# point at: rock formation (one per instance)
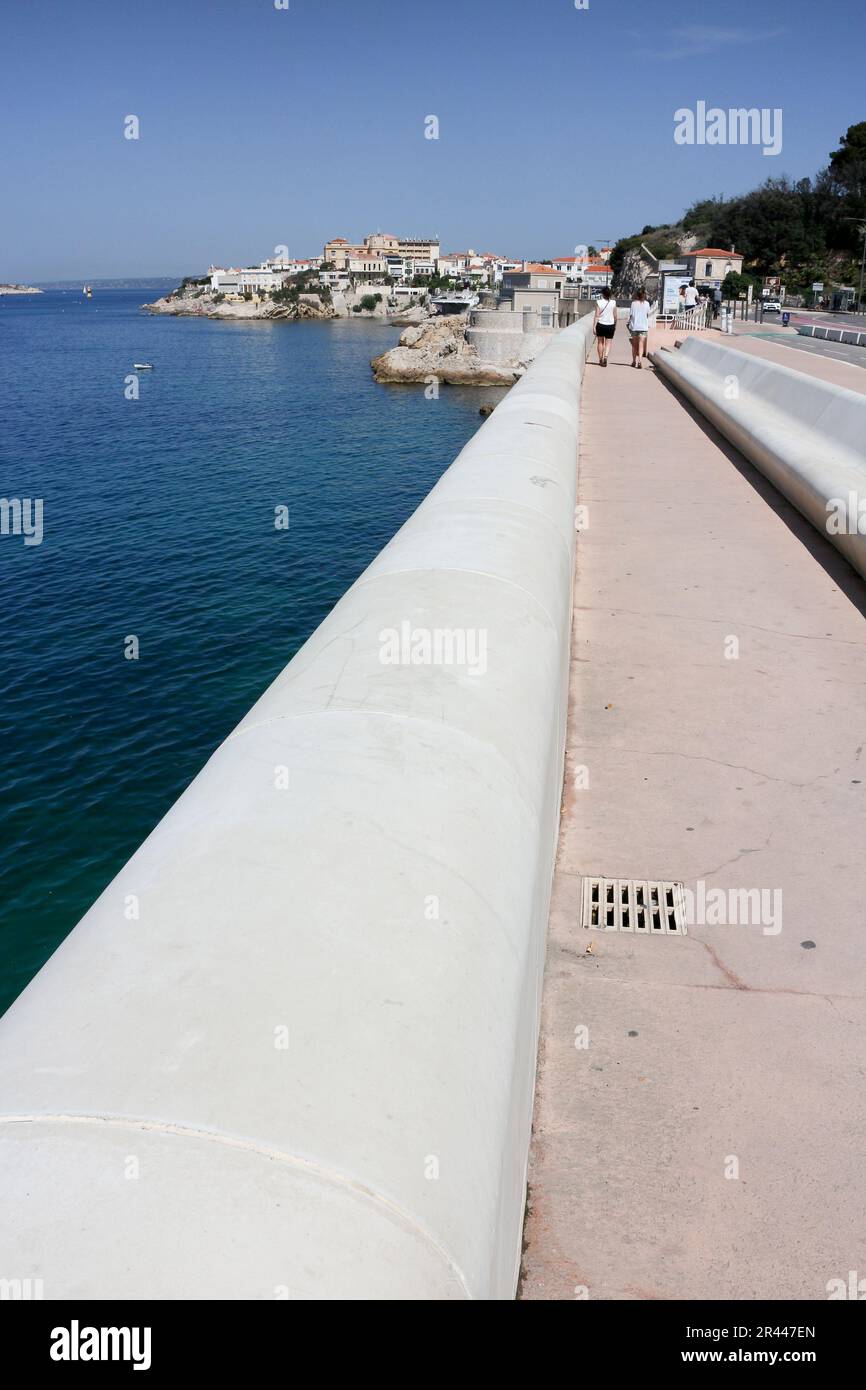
(438, 351)
(196, 302)
(633, 273)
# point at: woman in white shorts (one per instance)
(638, 327)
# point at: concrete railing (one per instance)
(833, 333)
(500, 320)
(806, 435)
(290, 1052)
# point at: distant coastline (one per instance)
(19, 289)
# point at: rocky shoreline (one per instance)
(209, 306)
(195, 301)
(19, 289)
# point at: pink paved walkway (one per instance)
(729, 1050)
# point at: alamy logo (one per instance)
(434, 646)
(734, 907)
(22, 516)
(846, 516)
(736, 126)
(77, 1343)
(854, 1289)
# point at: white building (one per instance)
(709, 265)
(264, 278)
(597, 274)
(570, 266)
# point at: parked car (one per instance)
(772, 306)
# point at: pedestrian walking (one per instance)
(605, 325)
(638, 327)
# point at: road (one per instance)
(841, 352)
(831, 320)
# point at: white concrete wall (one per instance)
(498, 336)
(806, 435)
(833, 333)
(508, 348)
(388, 909)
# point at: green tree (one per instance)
(702, 213)
(735, 284)
(848, 163)
(842, 189)
(773, 227)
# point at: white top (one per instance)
(639, 316)
(691, 296)
(608, 310)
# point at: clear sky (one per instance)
(261, 127)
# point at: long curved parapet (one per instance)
(807, 436)
(290, 1051)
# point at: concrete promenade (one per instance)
(708, 1141)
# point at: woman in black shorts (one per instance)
(605, 325)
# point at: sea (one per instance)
(159, 493)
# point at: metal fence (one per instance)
(695, 319)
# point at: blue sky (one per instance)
(261, 127)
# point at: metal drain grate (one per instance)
(646, 907)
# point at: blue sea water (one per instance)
(159, 522)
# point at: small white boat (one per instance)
(143, 366)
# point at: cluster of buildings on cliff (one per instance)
(404, 261)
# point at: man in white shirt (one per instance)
(691, 295)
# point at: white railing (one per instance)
(697, 318)
(804, 434)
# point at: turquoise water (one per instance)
(159, 522)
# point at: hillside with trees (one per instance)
(803, 231)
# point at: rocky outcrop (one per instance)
(19, 289)
(633, 274)
(438, 351)
(197, 300)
